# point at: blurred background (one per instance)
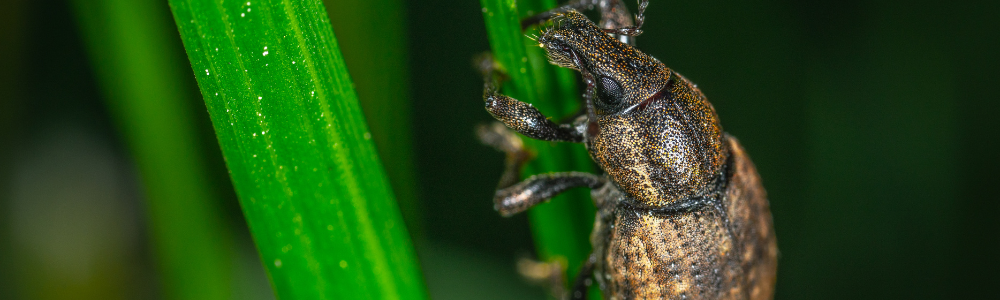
(871, 123)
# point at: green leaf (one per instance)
(372, 37)
(143, 81)
(562, 226)
(300, 155)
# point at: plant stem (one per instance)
(319, 206)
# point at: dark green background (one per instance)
(871, 123)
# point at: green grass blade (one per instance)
(142, 80)
(562, 226)
(372, 36)
(320, 209)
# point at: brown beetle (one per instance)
(681, 213)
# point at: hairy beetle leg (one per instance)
(539, 188)
(498, 136)
(527, 120)
(519, 116)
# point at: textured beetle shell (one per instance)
(661, 141)
(725, 251)
(665, 149)
(683, 214)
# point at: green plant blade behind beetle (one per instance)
(143, 81)
(310, 184)
(562, 226)
(372, 36)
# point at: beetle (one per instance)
(681, 211)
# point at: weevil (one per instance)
(681, 211)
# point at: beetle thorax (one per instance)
(649, 128)
(664, 150)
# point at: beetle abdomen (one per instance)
(724, 251)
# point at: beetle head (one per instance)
(619, 76)
(650, 129)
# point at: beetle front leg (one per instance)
(527, 120)
(519, 116)
(539, 188)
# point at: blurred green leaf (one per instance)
(143, 83)
(299, 152)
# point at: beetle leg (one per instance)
(616, 20)
(539, 188)
(551, 275)
(498, 136)
(583, 279)
(527, 120)
(519, 116)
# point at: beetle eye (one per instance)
(609, 92)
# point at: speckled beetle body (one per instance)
(682, 213)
